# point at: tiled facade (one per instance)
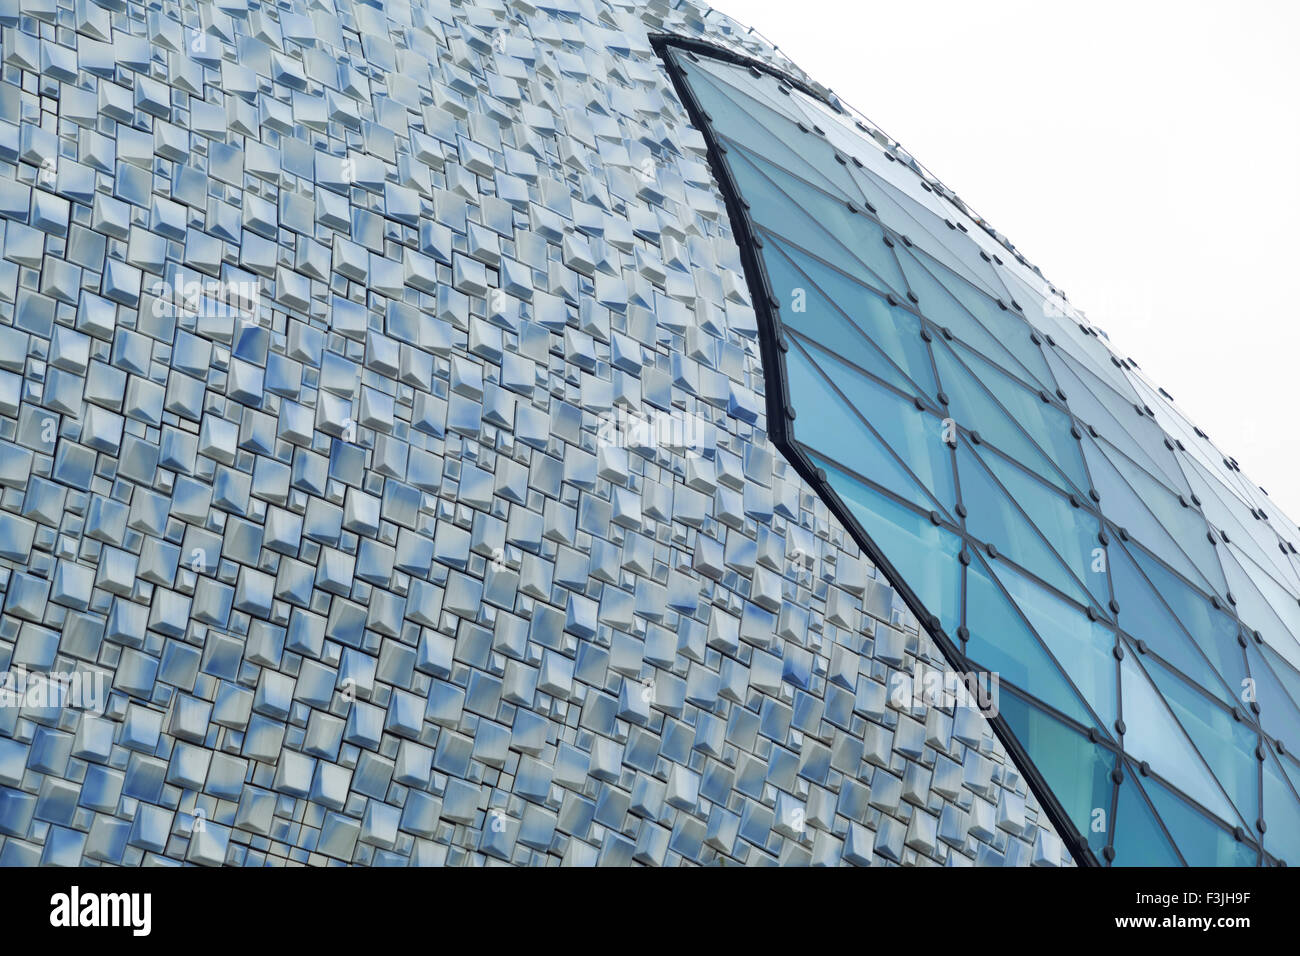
(361, 570)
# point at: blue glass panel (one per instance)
(859, 235)
(866, 454)
(924, 555)
(761, 129)
(992, 517)
(1095, 403)
(973, 406)
(1139, 840)
(1122, 506)
(1084, 648)
(1046, 424)
(823, 320)
(1184, 523)
(1214, 631)
(1072, 532)
(1282, 813)
(1227, 744)
(1278, 714)
(785, 217)
(1144, 615)
(1154, 736)
(915, 436)
(1201, 841)
(893, 329)
(1077, 770)
(1009, 331)
(940, 306)
(1002, 643)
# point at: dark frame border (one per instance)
(780, 411)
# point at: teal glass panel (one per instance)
(866, 454)
(1095, 403)
(1139, 839)
(924, 555)
(1077, 770)
(938, 304)
(1185, 524)
(1121, 505)
(915, 436)
(1001, 643)
(1227, 744)
(1072, 532)
(893, 330)
(1010, 331)
(1278, 714)
(762, 130)
(1144, 615)
(1201, 841)
(858, 235)
(1282, 813)
(973, 406)
(1214, 631)
(993, 517)
(807, 311)
(1154, 736)
(1084, 648)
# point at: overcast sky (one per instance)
(1144, 154)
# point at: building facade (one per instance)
(562, 433)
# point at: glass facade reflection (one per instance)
(1052, 514)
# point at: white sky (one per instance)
(1144, 154)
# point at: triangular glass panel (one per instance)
(1139, 838)
(1154, 736)
(923, 554)
(1084, 648)
(865, 454)
(1001, 642)
(892, 329)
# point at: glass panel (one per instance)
(1201, 841)
(1139, 840)
(1144, 616)
(1281, 814)
(1115, 420)
(1001, 643)
(1228, 745)
(1214, 631)
(1077, 770)
(857, 234)
(1154, 736)
(806, 310)
(924, 555)
(1084, 648)
(943, 309)
(974, 407)
(992, 517)
(1122, 506)
(893, 329)
(915, 436)
(1072, 532)
(761, 129)
(866, 454)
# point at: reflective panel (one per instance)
(1033, 494)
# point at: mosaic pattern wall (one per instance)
(1046, 503)
(385, 476)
